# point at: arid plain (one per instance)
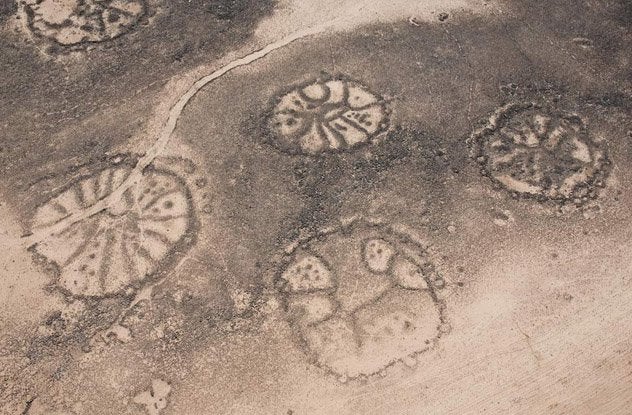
(303, 207)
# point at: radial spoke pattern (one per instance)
(122, 245)
(544, 154)
(327, 115)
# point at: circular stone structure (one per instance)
(326, 115)
(73, 22)
(361, 297)
(121, 246)
(546, 154)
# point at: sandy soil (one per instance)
(301, 207)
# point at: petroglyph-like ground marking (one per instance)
(155, 399)
(41, 234)
(121, 246)
(361, 297)
(166, 130)
(545, 154)
(73, 22)
(326, 115)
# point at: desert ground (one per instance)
(301, 207)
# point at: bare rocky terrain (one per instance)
(315, 207)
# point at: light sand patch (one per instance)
(155, 399)
(292, 15)
(22, 283)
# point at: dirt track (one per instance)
(242, 207)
